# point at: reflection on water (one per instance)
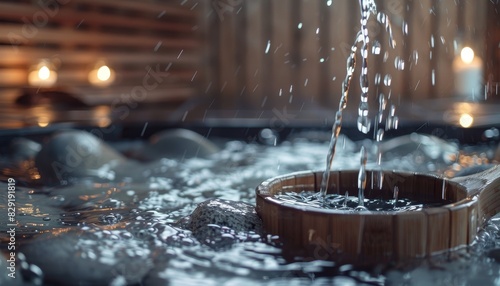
(128, 230)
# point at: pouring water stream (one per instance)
(367, 7)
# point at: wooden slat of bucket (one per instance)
(377, 239)
(489, 202)
(473, 214)
(346, 233)
(410, 234)
(290, 228)
(275, 186)
(288, 184)
(459, 225)
(305, 181)
(438, 229)
(270, 217)
(333, 183)
(317, 234)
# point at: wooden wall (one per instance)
(135, 38)
(240, 54)
(275, 53)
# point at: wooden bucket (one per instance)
(372, 237)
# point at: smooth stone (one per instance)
(431, 147)
(87, 258)
(218, 222)
(4, 271)
(177, 144)
(21, 149)
(75, 154)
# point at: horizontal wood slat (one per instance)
(25, 55)
(128, 36)
(14, 34)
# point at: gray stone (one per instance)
(424, 147)
(15, 278)
(76, 154)
(88, 258)
(219, 223)
(21, 149)
(177, 144)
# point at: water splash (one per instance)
(396, 194)
(362, 180)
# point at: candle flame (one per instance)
(466, 120)
(467, 55)
(44, 73)
(103, 73)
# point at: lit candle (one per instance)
(42, 75)
(468, 74)
(101, 75)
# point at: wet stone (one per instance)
(23, 149)
(219, 223)
(5, 271)
(71, 155)
(421, 148)
(176, 144)
(88, 257)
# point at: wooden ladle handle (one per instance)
(485, 187)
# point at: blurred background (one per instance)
(236, 63)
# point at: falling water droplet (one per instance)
(392, 120)
(362, 179)
(405, 28)
(383, 19)
(387, 80)
(415, 56)
(364, 124)
(268, 47)
(396, 194)
(377, 79)
(376, 48)
(399, 63)
(382, 102)
(380, 135)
